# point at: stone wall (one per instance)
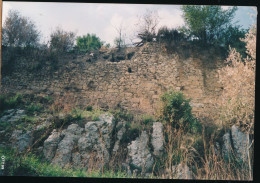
(134, 84)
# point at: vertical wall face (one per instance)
(134, 84)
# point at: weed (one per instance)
(34, 108)
(10, 102)
(89, 108)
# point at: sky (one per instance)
(104, 19)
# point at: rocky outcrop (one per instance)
(21, 140)
(12, 115)
(121, 130)
(139, 155)
(241, 143)
(66, 145)
(96, 140)
(236, 143)
(157, 138)
(75, 146)
(51, 144)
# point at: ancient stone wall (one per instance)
(134, 84)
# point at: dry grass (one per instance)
(237, 105)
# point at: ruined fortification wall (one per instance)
(134, 84)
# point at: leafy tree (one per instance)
(209, 23)
(19, 31)
(89, 42)
(62, 41)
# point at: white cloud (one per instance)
(171, 19)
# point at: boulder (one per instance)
(51, 144)
(97, 139)
(227, 147)
(139, 155)
(12, 115)
(121, 130)
(241, 143)
(63, 154)
(237, 143)
(21, 140)
(157, 138)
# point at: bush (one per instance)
(10, 102)
(176, 110)
(170, 36)
(147, 119)
(62, 41)
(238, 80)
(33, 108)
(89, 42)
(19, 31)
(89, 108)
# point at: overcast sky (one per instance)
(103, 19)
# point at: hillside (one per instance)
(100, 114)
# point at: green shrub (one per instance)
(89, 108)
(176, 110)
(34, 108)
(147, 119)
(127, 116)
(10, 102)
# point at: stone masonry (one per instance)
(134, 84)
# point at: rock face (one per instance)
(21, 140)
(157, 139)
(51, 144)
(237, 143)
(181, 171)
(139, 154)
(12, 115)
(241, 143)
(64, 151)
(227, 147)
(76, 146)
(121, 130)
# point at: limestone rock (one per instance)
(241, 143)
(97, 138)
(64, 152)
(181, 171)
(157, 138)
(139, 154)
(120, 133)
(51, 144)
(227, 147)
(21, 140)
(12, 115)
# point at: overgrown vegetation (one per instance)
(10, 102)
(212, 25)
(186, 140)
(176, 111)
(88, 42)
(30, 165)
(238, 80)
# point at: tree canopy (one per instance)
(19, 31)
(62, 40)
(89, 42)
(208, 23)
